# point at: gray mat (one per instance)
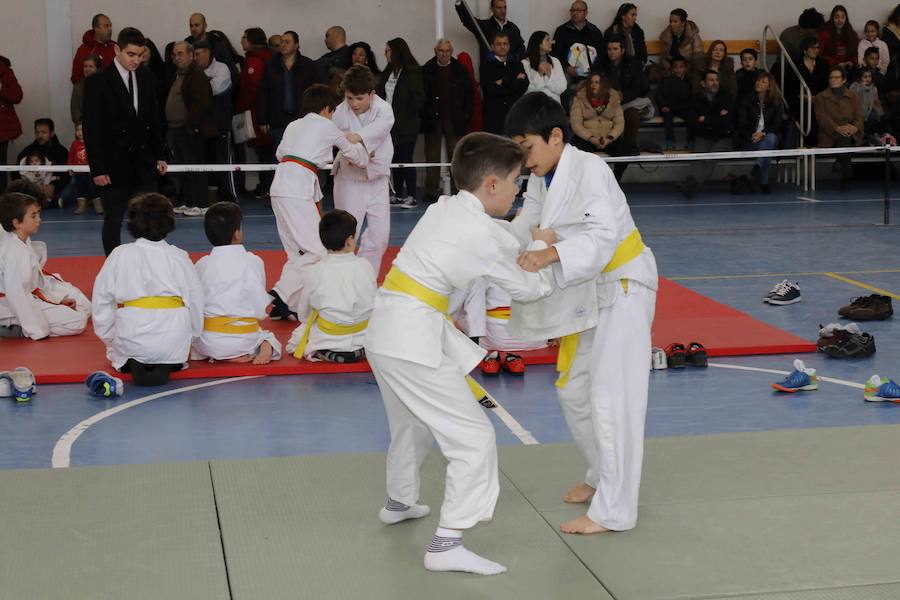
(132, 532)
(869, 592)
(307, 527)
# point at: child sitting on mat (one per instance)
(336, 301)
(148, 300)
(33, 303)
(234, 285)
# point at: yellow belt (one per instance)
(628, 250)
(326, 327)
(502, 312)
(155, 302)
(398, 281)
(231, 325)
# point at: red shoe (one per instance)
(513, 364)
(490, 365)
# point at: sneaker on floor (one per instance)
(193, 211)
(513, 364)
(775, 289)
(881, 390)
(786, 292)
(395, 200)
(408, 202)
(18, 384)
(834, 334)
(696, 355)
(872, 308)
(179, 210)
(857, 345)
(803, 379)
(658, 359)
(490, 365)
(676, 357)
(104, 385)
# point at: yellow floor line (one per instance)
(768, 275)
(862, 285)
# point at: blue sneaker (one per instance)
(801, 380)
(18, 384)
(104, 385)
(881, 390)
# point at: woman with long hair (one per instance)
(545, 72)
(759, 124)
(625, 24)
(838, 40)
(402, 86)
(361, 54)
(598, 121)
(716, 59)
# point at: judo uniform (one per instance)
(138, 273)
(335, 306)
(306, 145)
(234, 288)
(487, 312)
(30, 297)
(420, 360)
(608, 296)
(363, 190)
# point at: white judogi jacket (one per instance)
(21, 272)
(374, 126)
(234, 285)
(453, 243)
(586, 208)
(311, 138)
(151, 336)
(342, 288)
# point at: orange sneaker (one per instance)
(513, 364)
(490, 365)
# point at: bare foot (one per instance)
(578, 494)
(245, 358)
(264, 356)
(582, 525)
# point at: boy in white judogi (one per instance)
(234, 288)
(363, 191)
(33, 303)
(148, 300)
(305, 147)
(602, 314)
(337, 300)
(421, 360)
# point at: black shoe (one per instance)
(786, 292)
(858, 345)
(280, 310)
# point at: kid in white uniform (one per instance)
(305, 147)
(602, 312)
(148, 300)
(421, 360)
(33, 303)
(337, 300)
(234, 286)
(363, 191)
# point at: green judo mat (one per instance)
(780, 515)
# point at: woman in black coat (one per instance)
(625, 24)
(759, 123)
(401, 85)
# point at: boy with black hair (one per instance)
(305, 146)
(337, 299)
(33, 303)
(601, 309)
(673, 97)
(747, 74)
(148, 300)
(234, 286)
(362, 190)
(421, 361)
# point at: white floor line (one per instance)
(63, 448)
(851, 384)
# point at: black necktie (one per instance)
(131, 87)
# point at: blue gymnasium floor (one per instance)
(730, 248)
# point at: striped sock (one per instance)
(447, 553)
(444, 540)
(394, 512)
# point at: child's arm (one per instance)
(355, 153)
(16, 281)
(521, 285)
(530, 215)
(103, 301)
(374, 134)
(194, 299)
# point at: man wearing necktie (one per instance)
(122, 133)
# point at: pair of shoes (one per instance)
(395, 200)
(179, 210)
(280, 310)
(880, 389)
(104, 385)
(785, 292)
(803, 379)
(856, 345)
(835, 334)
(496, 361)
(868, 308)
(18, 384)
(407, 202)
(677, 356)
(658, 359)
(194, 211)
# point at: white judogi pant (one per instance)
(605, 404)
(425, 404)
(367, 201)
(297, 220)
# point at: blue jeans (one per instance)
(769, 142)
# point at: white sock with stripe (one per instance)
(395, 512)
(447, 553)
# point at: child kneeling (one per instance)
(337, 300)
(148, 300)
(234, 286)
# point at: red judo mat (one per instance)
(681, 316)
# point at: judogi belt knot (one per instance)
(327, 327)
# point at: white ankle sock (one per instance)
(394, 512)
(446, 553)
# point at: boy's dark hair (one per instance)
(869, 51)
(751, 51)
(335, 227)
(98, 62)
(863, 71)
(536, 113)
(221, 221)
(679, 59)
(150, 216)
(45, 121)
(808, 42)
(358, 80)
(498, 34)
(680, 13)
(256, 36)
(34, 152)
(811, 19)
(317, 97)
(616, 38)
(132, 36)
(708, 72)
(23, 186)
(13, 205)
(479, 155)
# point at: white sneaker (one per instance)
(395, 200)
(179, 210)
(192, 211)
(658, 359)
(408, 202)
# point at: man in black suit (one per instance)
(503, 81)
(122, 132)
(498, 23)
